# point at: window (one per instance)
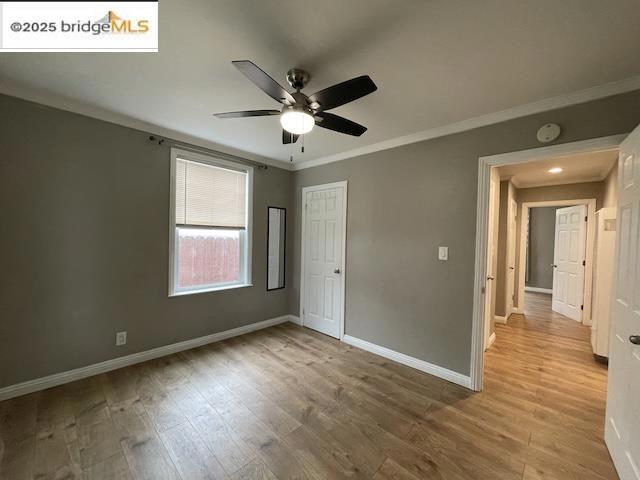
(210, 241)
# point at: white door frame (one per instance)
(590, 243)
(343, 276)
(482, 224)
(494, 189)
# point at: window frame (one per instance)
(246, 242)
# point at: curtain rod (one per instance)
(196, 149)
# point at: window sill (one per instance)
(212, 289)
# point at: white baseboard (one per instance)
(538, 290)
(518, 311)
(295, 319)
(416, 363)
(492, 339)
(113, 364)
(499, 319)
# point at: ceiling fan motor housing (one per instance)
(297, 108)
(297, 78)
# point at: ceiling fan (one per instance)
(300, 112)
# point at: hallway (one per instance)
(542, 371)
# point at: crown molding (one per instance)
(574, 98)
(554, 103)
(81, 108)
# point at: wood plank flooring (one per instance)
(289, 403)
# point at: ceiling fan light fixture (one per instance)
(300, 111)
(555, 170)
(297, 121)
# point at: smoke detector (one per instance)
(549, 132)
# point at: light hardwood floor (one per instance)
(288, 403)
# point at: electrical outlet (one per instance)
(121, 338)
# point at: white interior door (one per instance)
(622, 428)
(511, 255)
(323, 242)
(568, 261)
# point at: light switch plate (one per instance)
(121, 338)
(443, 253)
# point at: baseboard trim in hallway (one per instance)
(538, 290)
(56, 379)
(430, 368)
(500, 319)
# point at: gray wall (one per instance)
(84, 246)
(405, 202)
(542, 227)
(562, 192)
(85, 239)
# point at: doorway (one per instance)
(572, 263)
(483, 225)
(322, 281)
(549, 343)
(511, 257)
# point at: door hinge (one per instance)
(581, 307)
(584, 263)
(585, 218)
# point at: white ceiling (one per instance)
(578, 168)
(436, 63)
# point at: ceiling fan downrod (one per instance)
(297, 78)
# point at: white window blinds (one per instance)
(210, 196)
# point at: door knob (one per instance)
(337, 271)
(512, 268)
(635, 339)
(554, 265)
(490, 278)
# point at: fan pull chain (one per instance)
(302, 149)
(291, 154)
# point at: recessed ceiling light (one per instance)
(555, 170)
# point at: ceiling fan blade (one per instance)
(263, 81)
(339, 124)
(288, 137)
(344, 92)
(247, 113)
